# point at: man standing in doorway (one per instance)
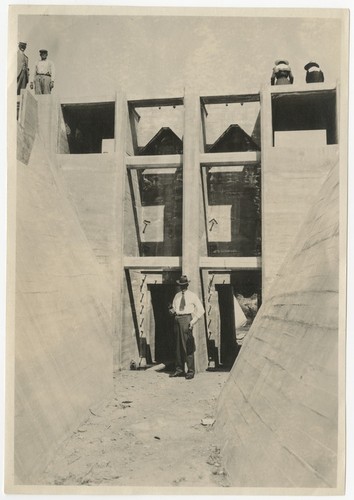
(44, 74)
(187, 309)
(22, 67)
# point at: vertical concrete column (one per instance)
(121, 116)
(191, 216)
(266, 145)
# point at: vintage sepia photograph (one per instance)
(177, 231)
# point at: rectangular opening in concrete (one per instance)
(233, 300)
(232, 197)
(231, 123)
(156, 195)
(156, 127)
(308, 112)
(164, 343)
(89, 126)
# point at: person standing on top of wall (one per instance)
(22, 67)
(186, 309)
(44, 74)
(313, 73)
(282, 74)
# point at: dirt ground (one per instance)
(156, 432)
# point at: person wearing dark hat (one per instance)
(186, 309)
(313, 73)
(282, 74)
(22, 67)
(44, 74)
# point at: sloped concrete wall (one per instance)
(291, 179)
(63, 351)
(27, 126)
(277, 415)
(90, 180)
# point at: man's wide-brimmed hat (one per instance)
(311, 64)
(281, 61)
(183, 280)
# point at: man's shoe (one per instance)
(177, 374)
(189, 375)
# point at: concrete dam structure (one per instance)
(116, 198)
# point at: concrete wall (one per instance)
(126, 345)
(27, 126)
(48, 122)
(291, 179)
(90, 183)
(277, 414)
(63, 351)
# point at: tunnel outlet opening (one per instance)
(162, 341)
(305, 119)
(233, 303)
(89, 127)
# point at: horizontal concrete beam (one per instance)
(230, 262)
(152, 262)
(227, 263)
(154, 161)
(244, 158)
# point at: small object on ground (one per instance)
(208, 421)
(92, 413)
(154, 368)
(177, 374)
(132, 365)
(157, 437)
(126, 402)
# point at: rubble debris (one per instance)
(208, 421)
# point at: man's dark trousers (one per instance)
(182, 332)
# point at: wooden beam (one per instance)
(154, 161)
(134, 118)
(205, 198)
(230, 263)
(136, 102)
(242, 158)
(230, 98)
(136, 202)
(158, 263)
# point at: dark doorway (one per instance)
(161, 298)
(228, 346)
(305, 111)
(87, 125)
(238, 302)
